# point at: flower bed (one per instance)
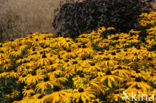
(93, 68)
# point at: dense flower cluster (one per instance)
(93, 68)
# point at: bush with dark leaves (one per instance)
(74, 18)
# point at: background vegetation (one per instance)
(83, 17)
(20, 17)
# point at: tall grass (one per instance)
(20, 17)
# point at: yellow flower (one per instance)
(58, 95)
(96, 85)
(83, 94)
(33, 78)
(110, 28)
(27, 91)
(144, 86)
(109, 78)
(79, 80)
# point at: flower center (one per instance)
(56, 88)
(80, 90)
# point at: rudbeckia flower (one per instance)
(83, 94)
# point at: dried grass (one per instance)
(20, 17)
